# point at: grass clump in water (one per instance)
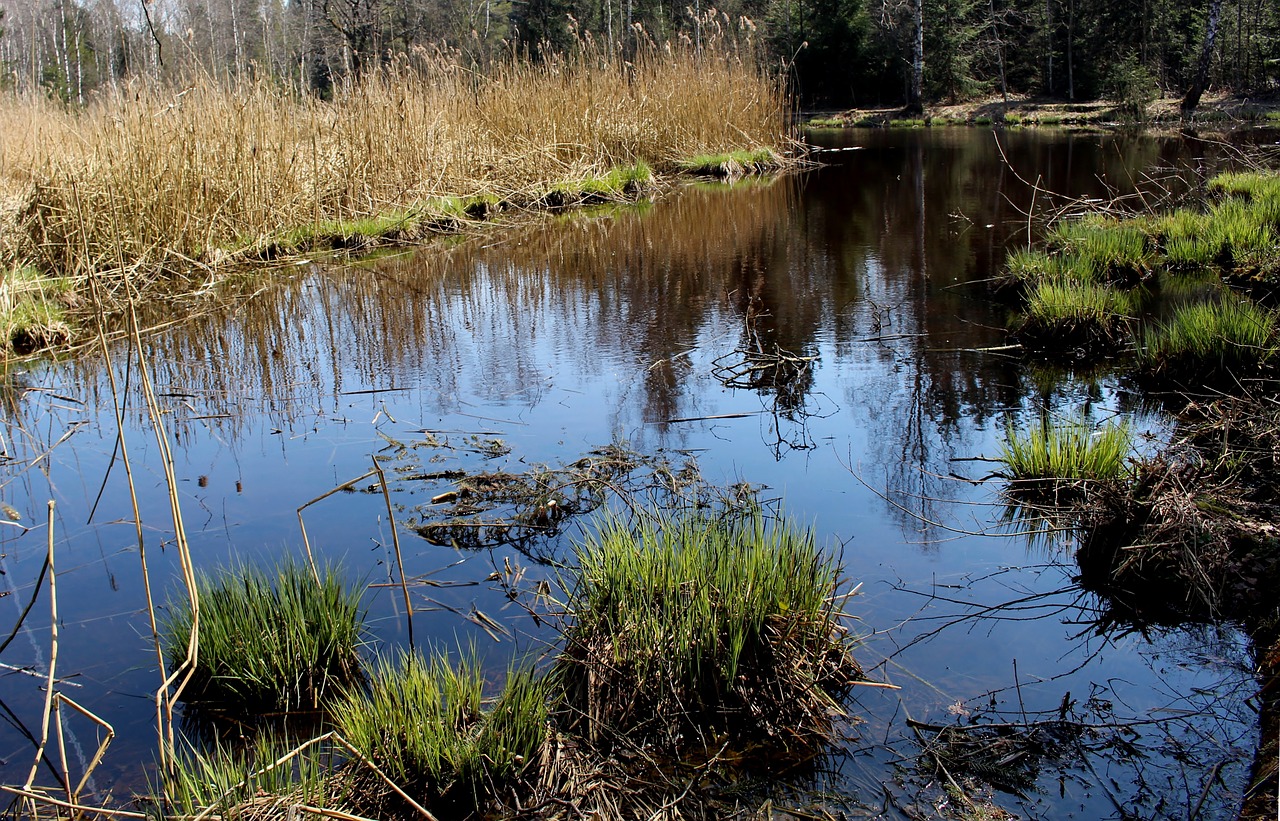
(260, 781)
(1054, 456)
(33, 310)
(618, 184)
(268, 641)
(1225, 338)
(421, 722)
(731, 164)
(1075, 317)
(1117, 252)
(1026, 268)
(695, 624)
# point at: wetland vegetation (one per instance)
(1189, 531)
(812, 333)
(702, 634)
(157, 190)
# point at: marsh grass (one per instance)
(1026, 268)
(1075, 317)
(33, 310)
(422, 721)
(1227, 338)
(1117, 252)
(731, 164)
(270, 642)
(154, 181)
(245, 782)
(1057, 455)
(686, 626)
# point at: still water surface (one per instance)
(537, 346)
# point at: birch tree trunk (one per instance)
(915, 98)
(1198, 83)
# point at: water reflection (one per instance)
(783, 333)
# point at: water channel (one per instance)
(539, 345)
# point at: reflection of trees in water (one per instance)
(881, 249)
(931, 215)
(1164, 746)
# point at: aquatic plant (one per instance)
(265, 779)
(268, 641)
(1115, 251)
(687, 625)
(33, 313)
(1249, 185)
(731, 164)
(1027, 267)
(1227, 337)
(1074, 318)
(421, 721)
(1057, 454)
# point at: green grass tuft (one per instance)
(731, 164)
(687, 625)
(269, 642)
(421, 722)
(1071, 317)
(1116, 251)
(1067, 452)
(1209, 339)
(233, 783)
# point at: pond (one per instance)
(823, 340)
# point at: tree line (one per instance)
(834, 52)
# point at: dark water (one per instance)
(537, 346)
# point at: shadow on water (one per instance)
(778, 339)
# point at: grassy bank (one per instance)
(151, 183)
(1217, 111)
(1093, 275)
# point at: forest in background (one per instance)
(834, 52)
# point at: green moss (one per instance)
(825, 122)
(908, 123)
(983, 120)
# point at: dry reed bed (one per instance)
(153, 179)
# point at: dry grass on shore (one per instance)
(153, 179)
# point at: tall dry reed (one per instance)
(156, 178)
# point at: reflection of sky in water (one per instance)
(605, 328)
